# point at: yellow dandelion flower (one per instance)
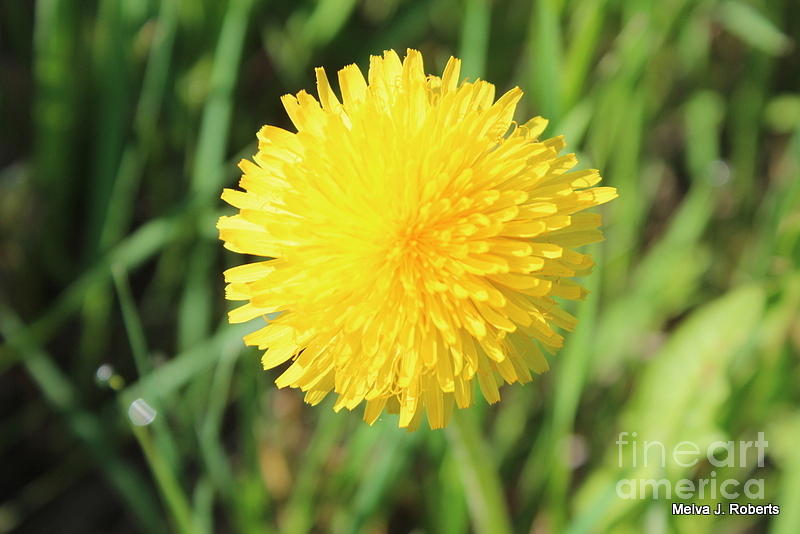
(415, 238)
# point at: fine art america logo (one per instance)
(644, 460)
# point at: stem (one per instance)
(175, 499)
(482, 486)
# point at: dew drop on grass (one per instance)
(104, 372)
(720, 173)
(141, 413)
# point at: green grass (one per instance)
(124, 119)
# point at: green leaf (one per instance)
(753, 27)
(678, 397)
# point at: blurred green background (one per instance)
(123, 119)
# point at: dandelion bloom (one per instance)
(414, 237)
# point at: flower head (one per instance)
(415, 240)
